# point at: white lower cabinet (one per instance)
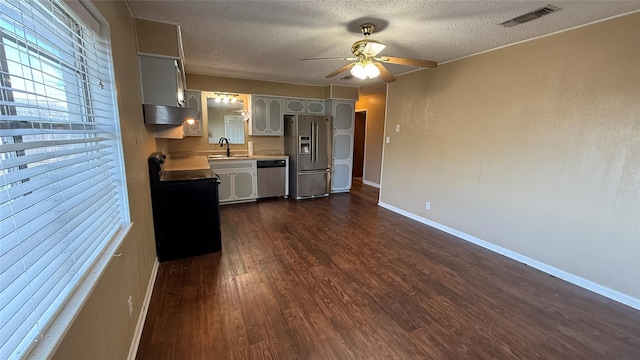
(238, 181)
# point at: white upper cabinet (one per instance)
(343, 115)
(305, 106)
(295, 106)
(267, 116)
(162, 81)
(316, 107)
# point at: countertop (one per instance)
(252, 157)
(201, 162)
(186, 163)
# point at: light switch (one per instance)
(388, 139)
(397, 127)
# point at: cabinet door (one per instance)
(342, 162)
(258, 116)
(316, 107)
(276, 117)
(225, 187)
(342, 147)
(193, 100)
(343, 115)
(341, 179)
(295, 106)
(159, 80)
(243, 185)
(343, 126)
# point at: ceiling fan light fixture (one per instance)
(358, 71)
(371, 70)
(365, 70)
(367, 64)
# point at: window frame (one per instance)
(59, 324)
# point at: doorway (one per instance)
(359, 143)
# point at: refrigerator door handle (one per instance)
(313, 150)
(316, 141)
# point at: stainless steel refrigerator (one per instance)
(308, 144)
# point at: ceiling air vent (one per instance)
(530, 16)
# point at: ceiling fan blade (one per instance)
(407, 61)
(384, 73)
(342, 69)
(348, 77)
(333, 58)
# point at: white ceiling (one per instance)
(265, 40)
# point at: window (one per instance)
(62, 188)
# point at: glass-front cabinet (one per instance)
(193, 100)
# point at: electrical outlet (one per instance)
(397, 127)
(427, 205)
(130, 306)
(388, 139)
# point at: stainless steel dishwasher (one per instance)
(272, 178)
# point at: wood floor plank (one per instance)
(341, 278)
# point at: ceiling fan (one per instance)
(366, 62)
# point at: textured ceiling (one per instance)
(265, 40)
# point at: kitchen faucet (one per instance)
(222, 141)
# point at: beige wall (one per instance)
(103, 329)
(374, 137)
(534, 148)
(343, 92)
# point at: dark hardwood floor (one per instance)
(341, 278)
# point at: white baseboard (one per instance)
(133, 350)
(561, 274)
(370, 183)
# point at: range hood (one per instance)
(168, 115)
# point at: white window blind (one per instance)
(62, 189)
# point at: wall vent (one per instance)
(530, 16)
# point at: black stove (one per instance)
(186, 211)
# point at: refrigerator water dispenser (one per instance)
(305, 144)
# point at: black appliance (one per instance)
(186, 211)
